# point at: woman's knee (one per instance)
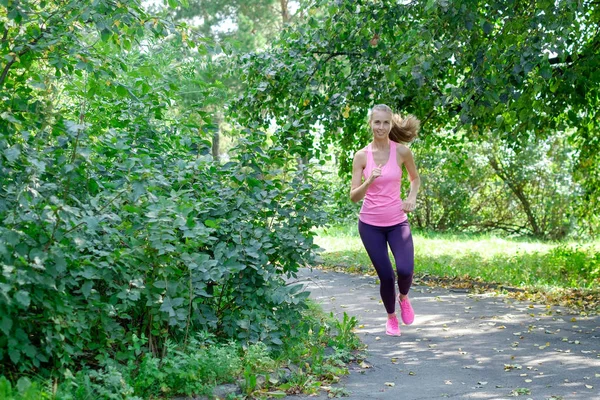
(387, 280)
(405, 271)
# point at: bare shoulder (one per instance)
(360, 157)
(403, 151)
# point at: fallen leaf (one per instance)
(361, 326)
(411, 373)
(520, 391)
(510, 367)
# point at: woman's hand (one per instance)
(409, 205)
(376, 173)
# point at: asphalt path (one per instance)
(462, 345)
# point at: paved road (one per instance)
(463, 346)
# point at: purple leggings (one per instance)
(376, 240)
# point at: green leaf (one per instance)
(487, 27)
(167, 306)
(276, 340)
(86, 288)
(14, 354)
(105, 34)
(160, 284)
(23, 385)
(122, 90)
(210, 223)
(6, 324)
(12, 153)
(22, 297)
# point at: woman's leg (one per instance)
(401, 243)
(375, 241)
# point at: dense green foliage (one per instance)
(502, 80)
(250, 24)
(321, 351)
(116, 222)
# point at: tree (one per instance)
(489, 70)
(237, 27)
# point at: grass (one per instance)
(526, 264)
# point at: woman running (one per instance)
(383, 218)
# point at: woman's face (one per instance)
(381, 123)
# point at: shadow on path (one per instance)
(463, 346)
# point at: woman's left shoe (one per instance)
(406, 311)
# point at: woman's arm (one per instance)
(406, 158)
(359, 188)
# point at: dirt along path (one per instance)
(463, 346)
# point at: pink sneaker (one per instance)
(392, 327)
(406, 311)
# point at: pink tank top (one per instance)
(382, 205)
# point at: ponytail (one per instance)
(404, 130)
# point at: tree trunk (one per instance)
(285, 13)
(518, 191)
(216, 139)
(215, 146)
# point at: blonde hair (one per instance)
(404, 130)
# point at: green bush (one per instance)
(580, 264)
(165, 244)
(25, 389)
(197, 367)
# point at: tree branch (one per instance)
(337, 53)
(21, 53)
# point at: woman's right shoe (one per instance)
(392, 327)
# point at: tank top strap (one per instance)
(393, 153)
(370, 159)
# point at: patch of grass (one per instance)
(563, 268)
